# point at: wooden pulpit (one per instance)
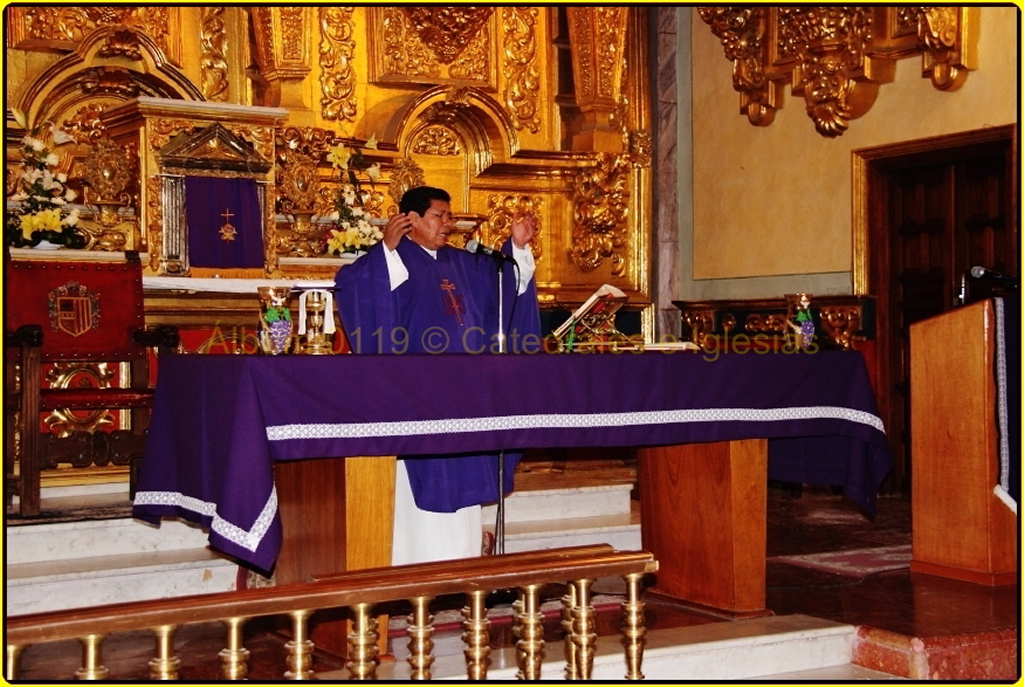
(960, 528)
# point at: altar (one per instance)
(220, 424)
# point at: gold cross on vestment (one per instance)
(227, 230)
(452, 303)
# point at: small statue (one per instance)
(801, 321)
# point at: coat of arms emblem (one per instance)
(74, 309)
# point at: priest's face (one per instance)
(431, 229)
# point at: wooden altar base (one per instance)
(704, 517)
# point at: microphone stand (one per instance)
(499, 525)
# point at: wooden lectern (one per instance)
(960, 529)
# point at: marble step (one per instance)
(621, 530)
(63, 541)
(92, 581)
(762, 649)
(86, 563)
(561, 503)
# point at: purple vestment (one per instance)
(448, 305)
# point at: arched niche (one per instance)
(111, 65)
(454, 135)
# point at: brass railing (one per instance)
(360, 591)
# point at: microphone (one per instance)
(979, 272)
(476, 248)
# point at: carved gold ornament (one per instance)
(122, 43)
(108, 171)
(836, 57)
(437, 140)
(405, 174)
(447, 30)
(213, 43)
(85, 125)
(298, 183)
(840, 323)
(337, 78)
(155, 230)
(600, 213)
(502, 209)
(700, 323)
(63, 421)
(761, 323)
(403, 55)
(522, 75)
(62, 26)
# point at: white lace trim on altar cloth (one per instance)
(247, 539)
(1002, 488)
(362, 430)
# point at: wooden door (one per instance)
(937, 208)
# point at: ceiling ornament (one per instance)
(447, 30)
(837, 57)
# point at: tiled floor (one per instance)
(914, 625)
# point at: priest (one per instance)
(412, 293)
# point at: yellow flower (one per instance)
(373, 171)
(371, 143)
(336, 242)
(339, 156)
(44, 220)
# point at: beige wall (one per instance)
(774, 201)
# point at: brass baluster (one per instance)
(13, 661)
(164, 666)
(572, 670)
(234, 657)
(517, 629)
(362, 644)
(583, 635)
(530, 630)
(91, 668)
(475, 635)
(300, 648)
(420, 629)
(633, 628)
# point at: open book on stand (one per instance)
(592, 326)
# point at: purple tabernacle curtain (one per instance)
(225, 226)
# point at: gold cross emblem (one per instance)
(227, 230)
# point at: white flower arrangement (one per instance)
(41, 198)
(351, 230)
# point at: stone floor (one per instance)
(912, 625)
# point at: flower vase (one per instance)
(275, 325)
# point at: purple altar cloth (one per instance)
(219, 422)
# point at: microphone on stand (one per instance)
(476, 248)
(979, 272)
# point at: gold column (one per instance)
(283, 36)
(598, 38)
